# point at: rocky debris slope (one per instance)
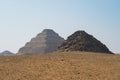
(82, 41)
(45, 42)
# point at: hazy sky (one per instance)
(20, 20)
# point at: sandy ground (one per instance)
(61, 66)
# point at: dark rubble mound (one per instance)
(82, 41)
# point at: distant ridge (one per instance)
(45, 42)
(82, 41)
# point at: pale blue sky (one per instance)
(20, 20)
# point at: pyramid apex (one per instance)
(80, 32)
(48, 30)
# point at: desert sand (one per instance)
(61, 66)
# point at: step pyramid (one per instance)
(45, 42)
(82, 41)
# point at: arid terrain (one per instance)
(61, 66)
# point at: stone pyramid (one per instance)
(82, 41)
(45, 42)
(6, 53)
